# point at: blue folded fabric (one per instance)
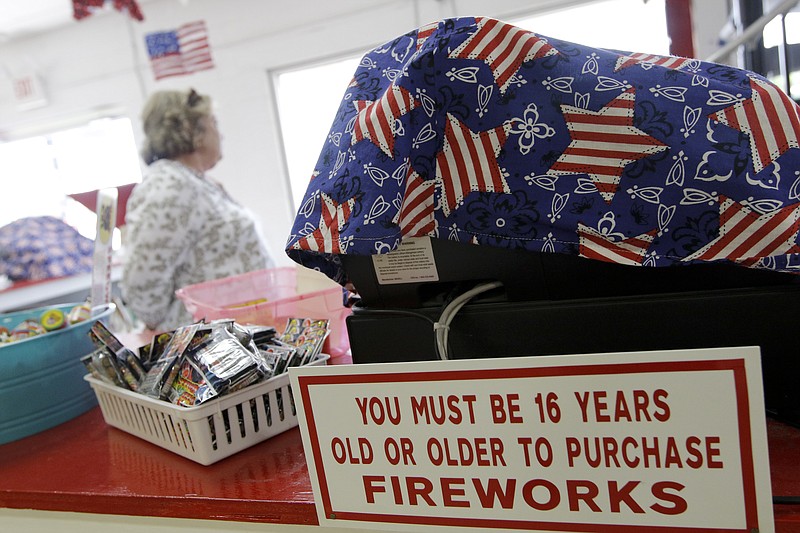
(37, 248)
(474, 130)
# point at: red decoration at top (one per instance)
(83, 8)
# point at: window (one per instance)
(775, 65)
(39, 172)
(307, 101)
(309, 97)
(626, 25)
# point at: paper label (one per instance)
(412, 262)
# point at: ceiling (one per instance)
(21, 18)
(24, 18)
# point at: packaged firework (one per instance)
(223, 361)
(190, 387)
(144, 355)
(281, 355)
(157, 347)
(246, 338)
(103, 364)
(86, 360)
(262, 334)
(127, 360)
(162, 373)
(307, 336)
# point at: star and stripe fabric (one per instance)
(474, 130)
(769, 118)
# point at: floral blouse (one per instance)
(183, 229)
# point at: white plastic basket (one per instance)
(211, 431)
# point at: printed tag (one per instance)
(412, 262)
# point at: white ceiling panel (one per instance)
(19, 18)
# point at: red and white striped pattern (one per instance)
(468, 162)
(662, 61)
(769, 118)
(744, 234)
(503, 47)
(375, 120)
(325, 239)
(594, 245)
(416, 215)
(424, 32)
(194, 46)
(603, 143)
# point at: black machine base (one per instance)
(767, 317)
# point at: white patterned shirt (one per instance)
(183, 229)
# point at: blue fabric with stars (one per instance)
(473, 130)
(38, 248)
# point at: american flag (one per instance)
(179, 52)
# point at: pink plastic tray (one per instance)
(270, 297)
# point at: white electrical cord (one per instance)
(441, 328)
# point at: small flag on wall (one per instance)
(179, 52)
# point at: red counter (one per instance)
(86, 466)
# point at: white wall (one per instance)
(99, 65)
(708, 19)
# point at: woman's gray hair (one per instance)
(171, 122)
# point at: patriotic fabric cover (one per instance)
(474, 130)
(36, 248)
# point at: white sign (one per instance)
(673, 439)
(28, 92)
(101, 260)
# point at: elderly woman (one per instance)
(182, 227)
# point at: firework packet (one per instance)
(190, 387)
(279, 355)
(126, 361)
(262, 334)
(162, 373)
(152, 352)
(224, 362)
(307, 336)
(102, 364)
(246, 338)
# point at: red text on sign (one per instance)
(379, 411)
(662, 497)
(344, 451)
(505, 408)
(646, 452)
(440, 409)
(479, 451)
(629, 406)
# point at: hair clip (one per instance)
(193, 98)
